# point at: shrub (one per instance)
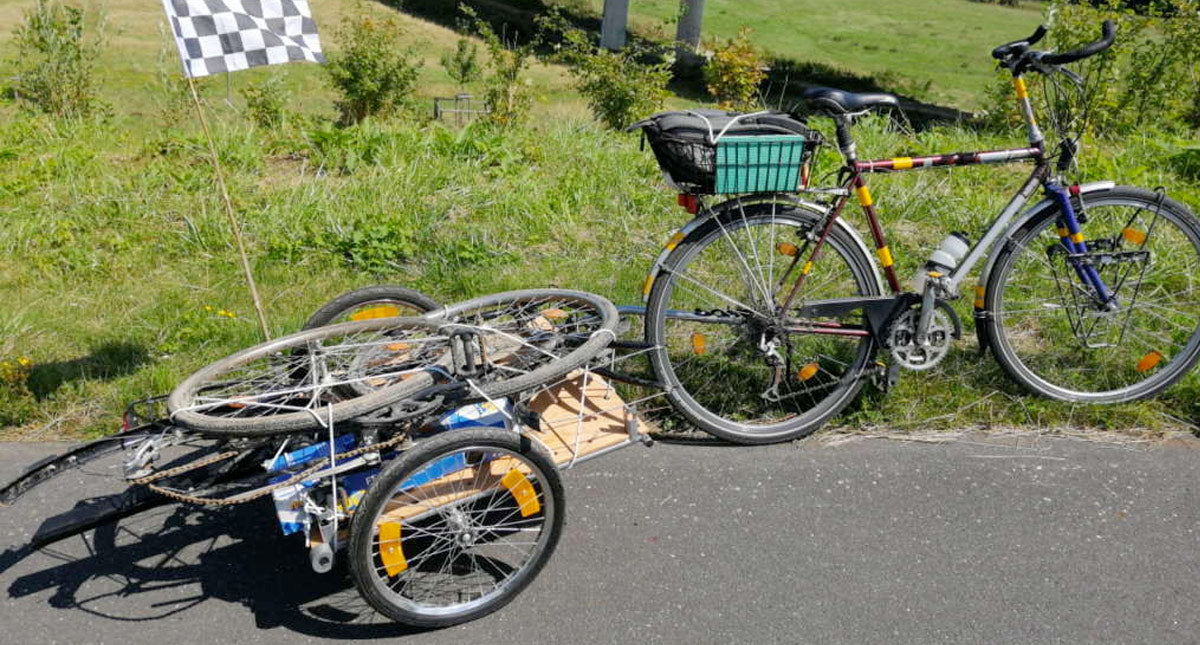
(463, 64)
(54, 61)
(734, 72)
(508, 92)
(372, 70)
(1150, 77)
(345, 150)
(620, 86)
(17, 403)
(266, 102)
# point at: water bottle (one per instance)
(943, 260)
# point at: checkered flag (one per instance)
(216, 36)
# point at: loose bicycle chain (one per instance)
(254, 494)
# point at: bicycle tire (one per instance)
(1027, 341)
(687, 388)
(475, 517)
(377, 301)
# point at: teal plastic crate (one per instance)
(759, 164)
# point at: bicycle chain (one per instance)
(261, 492)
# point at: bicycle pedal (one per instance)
(885, 376)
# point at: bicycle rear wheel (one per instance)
(456, 527)
(1052, 334)
(732, 363)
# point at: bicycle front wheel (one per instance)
(456, 527)
(1052, 333)
(732, 363)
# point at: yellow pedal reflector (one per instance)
(1133, 236)
(554, 314)
(808, 371)
(1077, 237)
(1149, 361)
(391, 552)
(699, 344)
(378, 311)
(522, 491)
(788, 249)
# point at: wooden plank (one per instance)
(571, 427)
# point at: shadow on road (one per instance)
(175, 559)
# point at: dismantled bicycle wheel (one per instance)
(308, 379)
(489, 347)
(1055, 335)
(528, 338)
(367, 303)
(456, 527)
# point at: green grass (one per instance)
(115, 259)
(904, 45)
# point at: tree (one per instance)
(691, 18)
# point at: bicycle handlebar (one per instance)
(1020, 46)
(1108, 33)
(1018, 56)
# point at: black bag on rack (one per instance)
(685, 147)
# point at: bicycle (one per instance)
(765, 313)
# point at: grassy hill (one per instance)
(905, 45)
(115, 260)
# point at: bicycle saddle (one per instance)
(835, 101)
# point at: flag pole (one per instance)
(233, 223)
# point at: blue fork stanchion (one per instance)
(1087, 272)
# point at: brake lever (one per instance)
(1075, 78)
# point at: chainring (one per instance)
(902, 339)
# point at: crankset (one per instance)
(915, 353)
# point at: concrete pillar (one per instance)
(612, 28)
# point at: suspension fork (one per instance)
(1071, 236)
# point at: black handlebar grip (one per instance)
(1108, 33)
(1007, 48)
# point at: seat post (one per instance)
(845, 141)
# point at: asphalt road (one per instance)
(1030, 540)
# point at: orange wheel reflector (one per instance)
(397, 347)
(391, 552)
(554, 314)
(522, 491)
(1149, 361)
(788, 249)
(699, 344)
(808, 371)
(1133, 236)
(378, 311)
